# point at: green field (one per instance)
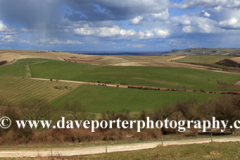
(96, 99)
(167, 77)
(18, 68)
(100, 99)
(17, 90)
(202, 59)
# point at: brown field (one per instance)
(236, 59)
(238, 83)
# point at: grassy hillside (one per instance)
(18, 68)
(208, 60)
(203, 59)
(100, 99)
(147, 76)
(56, 67)
(168, 77)
(96, 99)
(17, 89)
(206, 51)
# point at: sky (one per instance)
(119, 25)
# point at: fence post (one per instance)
(106, 148)
(211, 136)
(162, 141)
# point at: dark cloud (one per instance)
(46, 14)
(113, 10)
(29, 13)
(88, 12)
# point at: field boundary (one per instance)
(139, 87)
(28, 72)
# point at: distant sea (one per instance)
(124, 53)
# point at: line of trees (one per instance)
(226, 107)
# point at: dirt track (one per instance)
(102, 149)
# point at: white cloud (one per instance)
(127, 33)
(206, 27)
(207, 3)
(57, 41)
(187, 29)
(138, 45)
(233, 3)
(206, 14)
(2, 26)
(145, 34)
(136, 20)
(24, 41)
(186, 22)
(195, 24)
(7, 34)
(29, 30)
(113, 31)
(154, 33)
(84, 31)
(117, 32)
(231, 23)
(161, 33)
(164, 15)
(7, 38)
(182, 20)
(25, 30)
(218, 8)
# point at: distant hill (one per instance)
(123, 53)
(173, 52)
(205, 51)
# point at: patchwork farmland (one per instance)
(165, 77)
(17, 88)
(124, 89)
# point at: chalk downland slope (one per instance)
(17, 90)
(106, 60)
(100, 99)
(165, 77)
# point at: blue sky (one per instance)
(111, 25)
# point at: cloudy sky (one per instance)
(118, 25)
